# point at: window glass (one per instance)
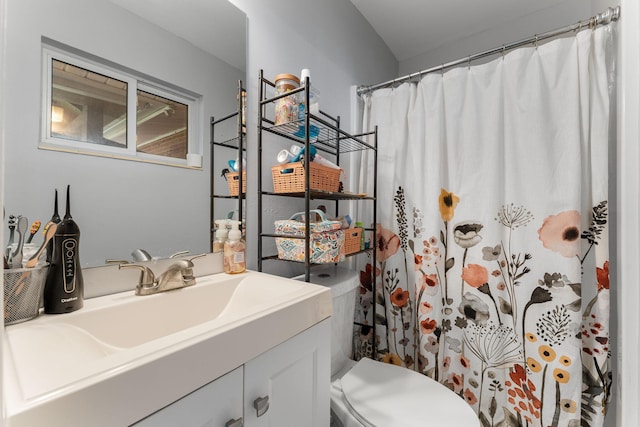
(87, 106)
(90, 107)
(161, 126)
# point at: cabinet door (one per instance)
(293, 380)
(212, 405)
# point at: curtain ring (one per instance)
(535, 43)
(469, 62)
(442, 70)
(504, 48)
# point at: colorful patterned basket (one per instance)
(289, 178)
(326, 239)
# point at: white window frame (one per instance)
(134, 83)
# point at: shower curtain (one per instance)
(492, 272)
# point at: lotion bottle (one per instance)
(64, 287)
(234, 250)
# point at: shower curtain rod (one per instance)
(604, 18)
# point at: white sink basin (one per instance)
(134, 320)
(232, 317)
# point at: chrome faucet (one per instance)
(177, 275)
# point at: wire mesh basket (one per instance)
(23, 289)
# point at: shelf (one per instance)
(227, 132)
(323, 195)
(330, 138)
(275, 258)
(232, 143)
(325, 135)
(223, 196)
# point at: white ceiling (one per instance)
(413, 27)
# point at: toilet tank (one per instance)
(343, 284)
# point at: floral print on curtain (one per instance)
(492, 248)
(462, 322)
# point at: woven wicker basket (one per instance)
(289, 178)
(232, 180)
(352, 240)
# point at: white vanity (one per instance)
(249, 349)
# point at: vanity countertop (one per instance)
(122, 356)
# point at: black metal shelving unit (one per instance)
(331, 140)
(236, 142)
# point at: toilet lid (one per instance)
(384, 395)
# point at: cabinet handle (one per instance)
(234, 423)
(262, 405)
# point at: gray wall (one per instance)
(337, 44)
(119, 205)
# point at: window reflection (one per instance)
(94, 109)
(87, 106)
(161, 126)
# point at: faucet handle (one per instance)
(197, 256)
(187, 272)
(185, 269)
(177, 254)
(147, 278)
(116, 261)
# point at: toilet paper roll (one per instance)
(322, 161)
(299, 153)
(285, 157)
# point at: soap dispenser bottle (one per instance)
(234, 250)
(221, 236)
(64, 287)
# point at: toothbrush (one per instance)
(49, 233)
(15, 260)
(34, 229)
(12, 227)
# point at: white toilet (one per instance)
(371, 393)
